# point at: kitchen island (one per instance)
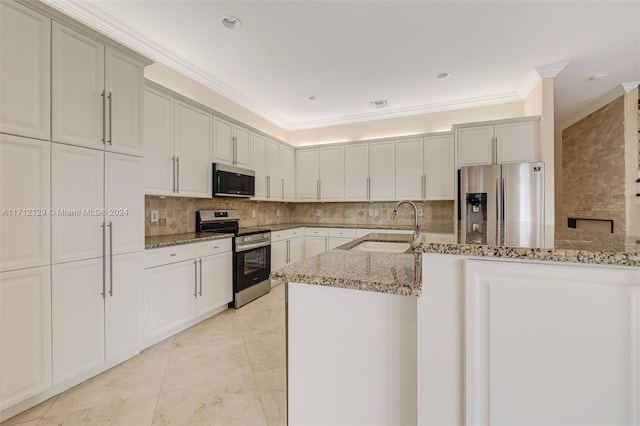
(513, 325)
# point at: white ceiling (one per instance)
(351, 52)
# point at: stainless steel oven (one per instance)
(252, 265)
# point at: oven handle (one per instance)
(252, 246)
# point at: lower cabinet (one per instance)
(314, 245)
(184, 283)
(95, 313)
(25, 334)
(286, 247)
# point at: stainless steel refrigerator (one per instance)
(501, 193)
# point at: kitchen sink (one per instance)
(382, 246)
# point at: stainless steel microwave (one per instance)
(231, 181)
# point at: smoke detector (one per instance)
(380, 104)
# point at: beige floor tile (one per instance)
(272, 386)
(34, 413)
(29, 423)
(136, 411)
(265, 321)
(266, 351)
(196, 364)
(218, 328)
(232, 401)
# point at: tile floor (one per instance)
(227, 370)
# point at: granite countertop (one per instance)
(284, 226)
(398, 274)
(178, 239)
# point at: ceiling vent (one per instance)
(379, 104)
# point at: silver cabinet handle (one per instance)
(104, 123)
(424, 186)
(195, 280)
(282, 180)
(200, 292)
(173, 164)
(110, 117)
(178, 174)
(268, 186)
(318, 189)
(494, 149)
(104, 261)
(235, 150)
(368, 188)
(288, 251)
(110, 259)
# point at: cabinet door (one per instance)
(439, 167)
(171, 293)
(77, 187)
(295, 250)
(356, 182)
(24, 184)
(517, 142)
(25, 334)
(273, 161)
(287, 166)
(332, 174)
(124, 85)
(337, 241)
(475, 146)
(124, 203)
(159, 164)
(78, 317)
(215, 286)
(314, 246)
(382, 162)
(78, 98)
(409, 169)
(307, 175)
(25, 71)
(223, 141)
(193, 150)
(279, 254)
(125, 278)
(259, 147)
(242, 147)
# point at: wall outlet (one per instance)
(376, 212)
(154, 216)
(371, 212)
(319, 213)
(419, 212)
(253, 213)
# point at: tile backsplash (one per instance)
(178, 214)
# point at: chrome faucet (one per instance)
(416, 226)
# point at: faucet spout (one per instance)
(416, 226)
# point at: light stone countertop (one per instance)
(179, 239)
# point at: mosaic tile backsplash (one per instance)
(177, 215)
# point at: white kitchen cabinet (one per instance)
(439, 167)
(287, 168)
(340, 236)
(274, 181)
(193, 151)
(215, 278)
(314, 246)
(260, 165)
(332, 174)
(334, 242)
(24, 202)
(25, 72)
(307, 174)
(356, 181)
(501, 142)
(382, 171)
(77, 317)
(25, 334)
(97, 93)
(232, 143)
(286, 247)
(159, 157)
(279, 254)
(77, 183)
(410, 169)
(363, 232)
(552, 344)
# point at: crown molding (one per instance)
(551, 70)
(629, 86)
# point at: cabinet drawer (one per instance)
(342, 233)
(317, 232)
(212, 247)
(166, 255)
(286, 234)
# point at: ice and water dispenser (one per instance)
(476, 210)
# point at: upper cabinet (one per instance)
(273, 164)
(320, 174)
(509, 141)
(193, 151)
(287, 167)
(97, 94)
(25, 72)
(232, 143)
(356, 162)
(382, 171)
(159, 159)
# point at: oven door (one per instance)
(251, 267)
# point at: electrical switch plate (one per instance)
(154, 215)
(419, 212)
(253, 213)
(376, 212)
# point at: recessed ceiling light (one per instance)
(231, 22)
(442, 75)
(379, 104)
(312, 98)
(597, 77)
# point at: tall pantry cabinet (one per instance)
(71, 203)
